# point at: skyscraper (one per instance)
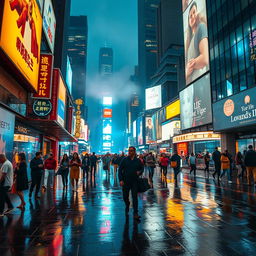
(106, 61)
(106, 71)
(77, 51)
(147, 35)
(62, 13)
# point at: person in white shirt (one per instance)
(6, 181)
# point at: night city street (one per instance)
(127, 127)
(196, 217)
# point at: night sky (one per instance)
(111, 23)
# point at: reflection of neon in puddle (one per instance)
(105, 210)
(104, 230)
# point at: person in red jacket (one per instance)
(50, 166)
(164, 160)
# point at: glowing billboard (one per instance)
(21, 37)
(49, 23)
(154, 97)
(61, 102)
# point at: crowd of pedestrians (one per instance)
(14, 178)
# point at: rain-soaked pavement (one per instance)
(196, 217)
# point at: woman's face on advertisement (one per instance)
(192, 16)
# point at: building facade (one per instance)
(147, 43)
(232, 43)
(77, 52)
(35, 104)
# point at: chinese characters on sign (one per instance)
(253, 44)
(78, 103)
(42, 108)
(44, 77)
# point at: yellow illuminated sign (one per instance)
(21, 37)
(197, 136)
(173, 110)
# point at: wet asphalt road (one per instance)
(195, 217)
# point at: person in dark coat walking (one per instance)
(37, 167)
(93, 161)
(129, 171)
(216, 155)
(86, 163)
(64, 167)
(175, 164)
(21, 179)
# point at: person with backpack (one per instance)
(175, 164)
(225, 166)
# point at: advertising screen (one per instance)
(107, 127)
(107, 101)
(49, 23)
(236, 111)
(106, 137)
(107, 113)
(170, 129)
(195, 103)
(134, 129)
(149, 130)
(195, 39)
(69, 75)
(173, 110)
(21, 37)
(61, 102)
(7, 120)
(140, 130)
(154, 97)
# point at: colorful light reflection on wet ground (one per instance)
(195, 217)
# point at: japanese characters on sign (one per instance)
(42, 108)
(78, 103)
(44, 77)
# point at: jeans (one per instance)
(164, 168)
(36, 181)
(151, 170)
(48, 174)
(4, 198)
(176, 172)
(85, 171)
(251, 174)
(64, 176)
(93, 169)
(217, 169)
(134, 188)
(224, 171)
(193, 169)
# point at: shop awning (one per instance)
(52, 128)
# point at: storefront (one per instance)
(197, 142)
(235, 118)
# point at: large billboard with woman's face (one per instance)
(195, 103)
(195, 39)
